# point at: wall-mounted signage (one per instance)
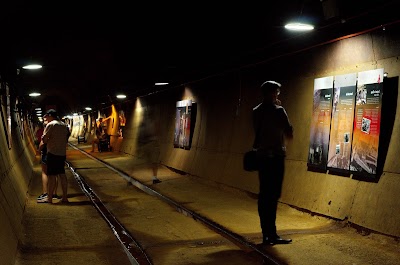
(321, 121)
(346, 122)
(182, 124)
(342, 121)
(367, 122)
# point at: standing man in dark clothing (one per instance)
(271, 126)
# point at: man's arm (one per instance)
(41, 145)
(109, 117)
(288, 126)
(45, 136)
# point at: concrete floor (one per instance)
(64, 234)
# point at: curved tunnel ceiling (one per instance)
(90, 51)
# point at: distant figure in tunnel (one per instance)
(55, 136)
(271, 126)
(100, 133)
(149, 147)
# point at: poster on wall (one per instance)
(344, 92)
(320, 123)
(4, 113)
(9, 138)
(77, 122)
(367, 121)
(182, 124)
(122, 123)
(19, 118)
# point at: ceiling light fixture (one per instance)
(161, 83)
(121, 96)
(299, 26)
(32, 66)
(34, 94)
(88, 108)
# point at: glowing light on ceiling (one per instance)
(32, 66)
(299, 26)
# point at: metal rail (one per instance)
(133, 249)
(218, 228)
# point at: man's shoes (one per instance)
(55, 196)
(42, 198)
(156, 180)
(280, 240)
(275, 240)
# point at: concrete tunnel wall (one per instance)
(16, 163)
(223, 132)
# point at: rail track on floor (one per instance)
(133, 246)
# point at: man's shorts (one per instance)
(150, 151)
(55, 164)
(43, 156)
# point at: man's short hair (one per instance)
(270, 86)
(52, 113)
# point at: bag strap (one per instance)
(259, 129)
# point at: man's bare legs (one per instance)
(45, 186)
(55, 187)
(95, 141)
(154, 167)
(45, 182)
(52, 184)
(64, 186)
(52, 180)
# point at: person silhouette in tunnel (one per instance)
(55, 136)
(149, 146)
(271, 126)
(43, 161)
(100, 132)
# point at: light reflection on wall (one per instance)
(187, 94)
(78, 123)
(113, 129)
(135, 122)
